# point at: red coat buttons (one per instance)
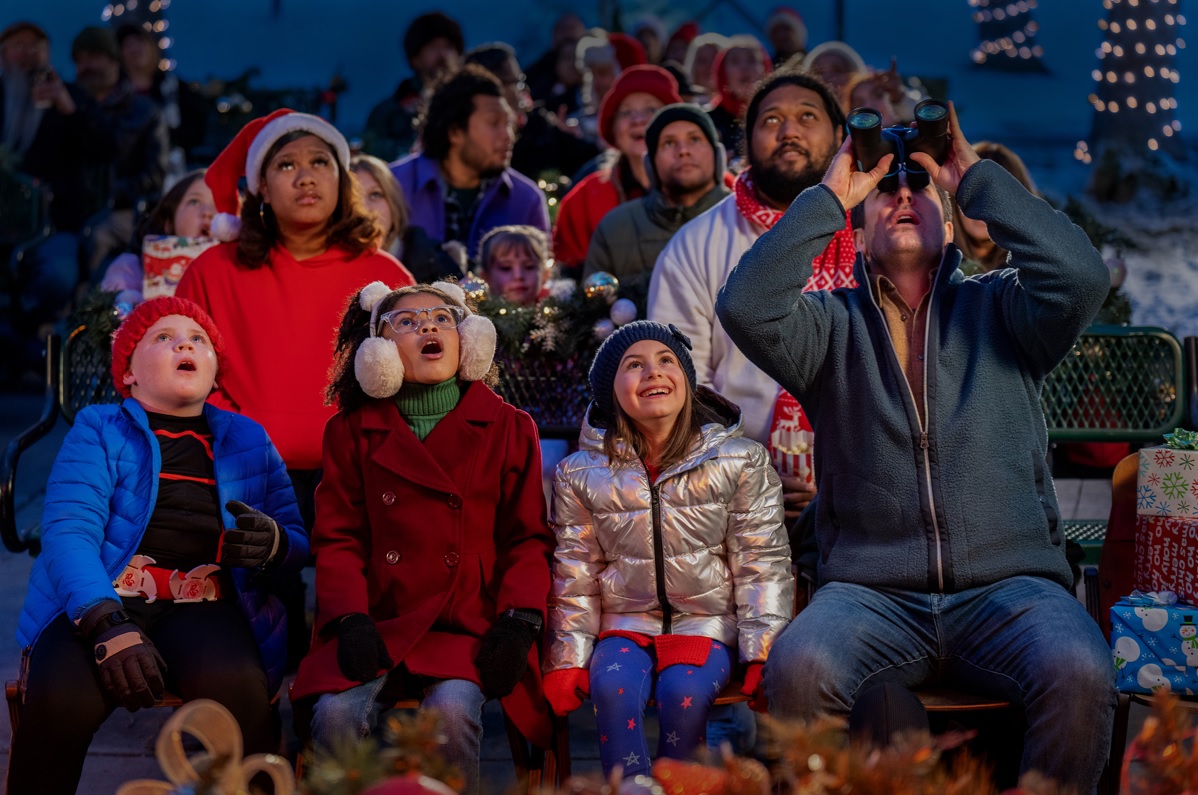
(454, 501)
(393, 557)
(389, 498)
(452, 559)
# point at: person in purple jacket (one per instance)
(462, 185)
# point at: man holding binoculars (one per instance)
(940, 555)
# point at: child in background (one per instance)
(185, 211)
(515, 262)
(432, 548)
(140, 587)
(671, 553)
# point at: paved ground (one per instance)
(123, 749)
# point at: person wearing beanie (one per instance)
(685, 162)
(433, 45)
(166, 521)
(738, 69)
(138, 169)
(680, 41)
(671, 558)
(637, 94)
(462, 184)
(300, 243)
(699, 63)
(431, 541)
(595, 59)
(787, 33)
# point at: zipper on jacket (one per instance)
(659, 559)
(923, 434)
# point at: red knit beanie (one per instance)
(146, 314)
(629, 51)
(649, 79)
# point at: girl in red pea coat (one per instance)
(431, 542)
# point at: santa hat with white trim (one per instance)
(244, 156)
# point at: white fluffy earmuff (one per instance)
(377, 365)
(476, 335)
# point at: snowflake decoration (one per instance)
(1174, 485)
(1154, 479)
(1194, 489)
(1184, 507)
(1144, 465)
(1163, 457)
(546, 337)
(1152, 641)
(1145, 498)
(1163, 509)
(1186, 461)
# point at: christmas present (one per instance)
(1167, 555)
(1154, 644)
(164, 259)
(791, 440)
(1167, 482)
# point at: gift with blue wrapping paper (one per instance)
(1154, 643)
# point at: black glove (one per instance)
(504, 655)
(255, 541)
(361, 653)
(130, 667)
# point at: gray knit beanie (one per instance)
(607, 358)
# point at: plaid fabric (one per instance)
(459, 217)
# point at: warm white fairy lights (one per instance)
(1019, 30)
(113, 11)
(1135, 76)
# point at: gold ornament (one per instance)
(601, 284)
(475, 288)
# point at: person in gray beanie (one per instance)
(685, 162)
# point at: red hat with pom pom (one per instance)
(244, 157)
(144, 315)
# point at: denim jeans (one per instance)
(354, 714)
(1024, 639)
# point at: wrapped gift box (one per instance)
(1154, 645)
(165, 258)
(1167, 555)
(1167, 483)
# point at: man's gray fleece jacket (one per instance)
(965, 501)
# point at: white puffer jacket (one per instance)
(706, 540)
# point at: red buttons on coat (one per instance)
(389, 498)
(454, 501)
(393, 557)
(452, 559)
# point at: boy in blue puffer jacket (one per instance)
(145, 582)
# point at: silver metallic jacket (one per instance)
(707, 541)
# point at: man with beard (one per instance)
(793, 126)
(685, 163)
(461, 185)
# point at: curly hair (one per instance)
(343, 390)
(452, 105)
(351, 225)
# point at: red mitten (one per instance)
(753, 688)
(563, 686)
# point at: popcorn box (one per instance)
(1167, 555)
(165, 258)
(1167, 482)
(791, 441)
(1154, 645)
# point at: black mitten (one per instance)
(255, 541)
(361, 653)
(130, 667)
(504, 655)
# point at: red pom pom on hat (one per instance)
(244, 155)
(146, 314)
(644, 78)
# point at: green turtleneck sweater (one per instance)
(423, 405)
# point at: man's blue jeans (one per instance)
(1024, 639)
(353, 714)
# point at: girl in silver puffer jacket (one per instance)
(672, 562)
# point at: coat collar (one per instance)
(948, 271)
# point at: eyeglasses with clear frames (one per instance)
(406, 321)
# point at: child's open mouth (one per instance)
(431, 348)
(657, 391)
(186, 366)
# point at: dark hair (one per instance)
(129, 29)
(161, 220)
(687, 427)
(351, 225)
(789, 76)
(426, 27)
(452, 105)
(492, 56)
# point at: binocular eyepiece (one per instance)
(872, 142)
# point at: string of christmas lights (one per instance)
(1006, 28)
(150, 15)
(1135, 78)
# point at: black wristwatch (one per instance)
(532, 617)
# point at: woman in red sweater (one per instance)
(303, 245)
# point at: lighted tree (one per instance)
(1007, 35)
(151, 15)
(1136, 79)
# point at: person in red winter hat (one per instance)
(166, 522)
(737, 72)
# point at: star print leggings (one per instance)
(622, 682)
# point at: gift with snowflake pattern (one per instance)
(1154, 644)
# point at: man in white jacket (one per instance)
(793, 127)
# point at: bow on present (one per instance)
(229, 774)
(1152, 598)
(1181, 439)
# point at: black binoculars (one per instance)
(872, 142)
